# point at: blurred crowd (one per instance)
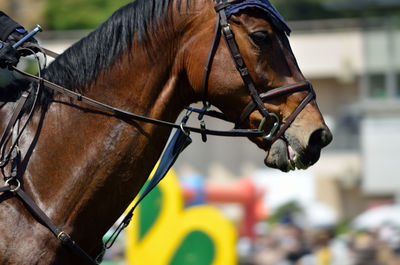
(287, 244)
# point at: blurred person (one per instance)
(268, 252)
(327, 250)
(365, 248)
(10, 32)
(389, 235)
(291, 240)
(389, 244)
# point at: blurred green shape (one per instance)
(196, 249)
(149, 210)
(79, 14)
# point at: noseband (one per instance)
(258, 100)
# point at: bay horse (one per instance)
(83, 168)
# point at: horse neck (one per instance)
(88, 166)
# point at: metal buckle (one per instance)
(273, 129)
(18, 186)
(184, 120)
(226, 29)
(62, 233)
(226, 26)
(183, 129)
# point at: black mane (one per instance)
(82, 62)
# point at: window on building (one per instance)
(382, 58)
(377, 86)
(398, 85)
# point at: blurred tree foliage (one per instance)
(303, 9)
(88, 14)
(325, 9)
(79, 14)
(286, 213)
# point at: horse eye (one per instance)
(260, 38)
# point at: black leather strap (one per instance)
(293, 116)
(5, 188)
(274, 93)
(64, 238)
(240, 64)
(224, 4)
(207, 67)
(131, 116)
(10, 125)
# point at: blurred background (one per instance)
(345, 209)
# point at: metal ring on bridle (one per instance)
(273, 129)
(183, 130)
(18, 186)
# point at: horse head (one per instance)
(261, 37)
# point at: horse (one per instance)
(83, 167)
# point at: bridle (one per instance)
(257, 103)
(257, 100)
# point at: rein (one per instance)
(126, 115)
(178, 142)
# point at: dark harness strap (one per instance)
(7, 132)
(14, 186)
(293, 116)
(240, 64)
(63, 237)
(210, 57)
(128, 115)
(5, 189)
(274, 93)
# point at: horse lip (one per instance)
(278, 157)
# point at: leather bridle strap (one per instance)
(63, 237)
(131, 116)
(7, 134)
(239, 62)
(14, 117)
(50, 53)
(213, 50)
(293, 116)
(207, 68)
(274, 93)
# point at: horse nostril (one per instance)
(321, 138)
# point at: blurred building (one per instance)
(27, 12)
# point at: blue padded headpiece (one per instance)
(265, 6)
